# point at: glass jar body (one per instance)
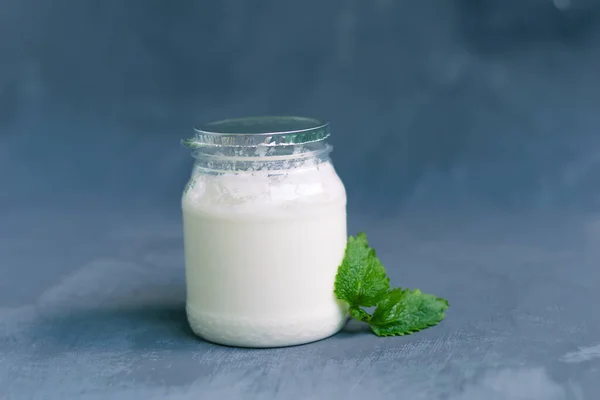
(262, 248)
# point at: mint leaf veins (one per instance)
(404, 311)
(362, 282)
(361, 279)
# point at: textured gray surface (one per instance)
(523, 322)
(466, 133)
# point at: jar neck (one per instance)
(223, 159)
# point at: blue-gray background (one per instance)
(466, 133)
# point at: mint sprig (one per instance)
(362, 281)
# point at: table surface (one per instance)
(92, 307)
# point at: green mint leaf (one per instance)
(359, 314)
(404, 311)
(361, 279)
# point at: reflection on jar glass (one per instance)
(264, 217)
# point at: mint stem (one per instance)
(359, 314)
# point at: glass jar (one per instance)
(264, 217)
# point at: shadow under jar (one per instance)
(264, 217)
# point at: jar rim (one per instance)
(259, 131)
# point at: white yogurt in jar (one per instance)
(262, 250)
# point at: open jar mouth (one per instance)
(255, 132)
